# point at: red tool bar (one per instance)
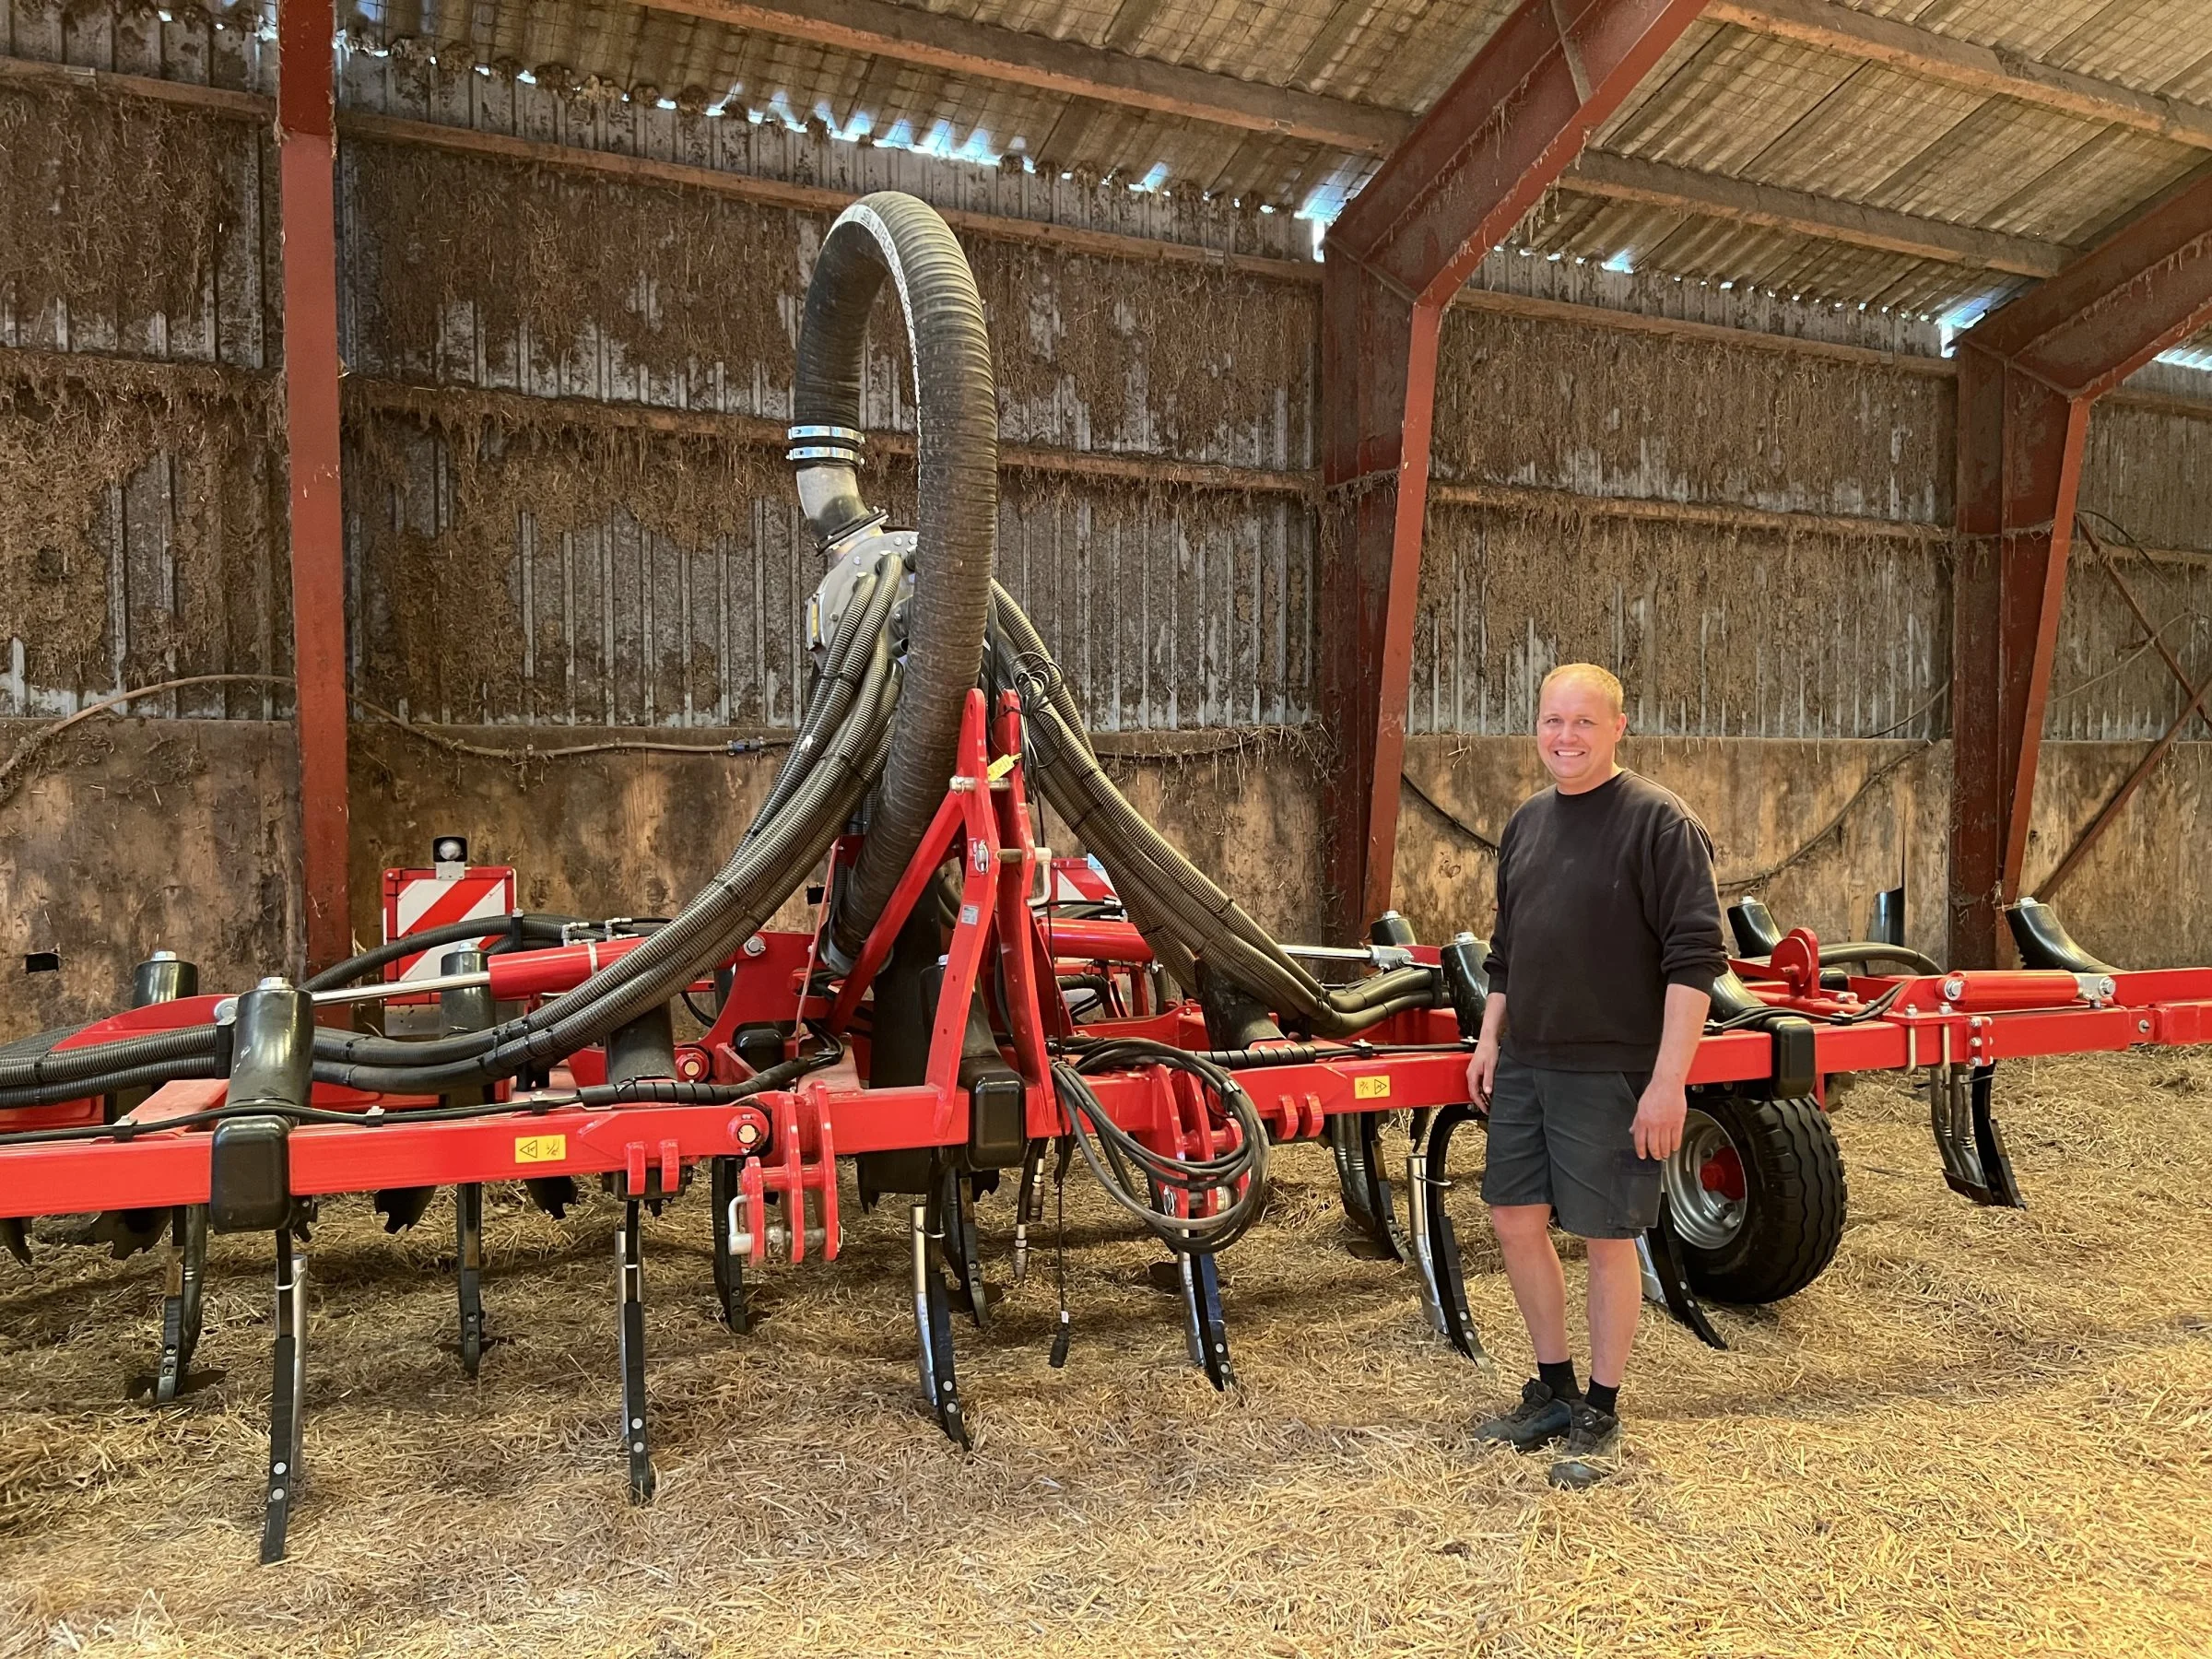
(2164, 985)
(161, 1170)
(2048, 1032)
(1381, 1084)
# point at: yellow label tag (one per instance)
(540, 1148)
(1370, 1088)
(1001, 767)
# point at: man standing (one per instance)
(1606, 945)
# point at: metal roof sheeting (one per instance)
(1727, 101)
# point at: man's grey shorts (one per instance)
(1568, 1139)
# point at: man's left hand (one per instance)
(1659, 1114)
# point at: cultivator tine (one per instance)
(181, 1308)
(1435, 1244)
(284, 1398)
(551, 1194)
(729, 1266)
(14, 1239)
(933, 1323)
(629, 1260)
(1989, 1142)
(468, 1266)
(1665, 1282)
(1204, 1327)
(958, 1243)
(403, 1206)
(1355, 1137)
(1967, 1137)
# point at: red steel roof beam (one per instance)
(306, 152)
(1467, 173)
(2027, 377)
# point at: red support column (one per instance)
(306, 152)
(1478, 161)
(2028, 376)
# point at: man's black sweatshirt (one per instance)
(1604, 898)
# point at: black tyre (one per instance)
(1756, 1195)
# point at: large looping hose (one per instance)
(957, 492)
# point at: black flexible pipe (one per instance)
(695, 936)
(528, 929)
(853, 648)
(152, 1074)
(1133, 1174)
(70, 1067)
(1875, 950)
(956, 493)
(733, 905)
(1181, 911)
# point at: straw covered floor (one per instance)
(1981, 1431)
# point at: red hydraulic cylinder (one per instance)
(1092, 940)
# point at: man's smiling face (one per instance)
(1577, 731)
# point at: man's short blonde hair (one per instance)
(1589, 674)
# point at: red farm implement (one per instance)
(963, 1006)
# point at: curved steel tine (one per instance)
(1662, 1255)
(933, 1327)
(1444, 1279)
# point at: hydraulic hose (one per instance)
(1183, 915)
(1862, 952)
(1143, 1181)
(207, 1065)
(859, 634)
(768, 855)
(892, 234)
(72, 1067)
(759, 875)
(520, 930)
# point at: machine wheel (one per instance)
(1755, 1196)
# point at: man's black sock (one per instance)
(1559, 1376)
(1604, 1398)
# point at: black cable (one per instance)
(1756, 1017)
(1144, 1183)
(1874, 950)
(58, 1074)
(467, 931)
(1063, 1329)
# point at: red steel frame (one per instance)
(1480, 159)
(306, 158)
(789, 1140)
(2028, 376)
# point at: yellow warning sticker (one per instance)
(540, 1148)
(1001, 767)
(1370, 1088)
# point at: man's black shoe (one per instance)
(1593, 1450)
(1541, 1418)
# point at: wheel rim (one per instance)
(1706, 1196)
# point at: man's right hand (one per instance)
(1482, 1070)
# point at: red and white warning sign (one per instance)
(417, 901)
(1080, 881)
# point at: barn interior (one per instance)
(394, 404)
